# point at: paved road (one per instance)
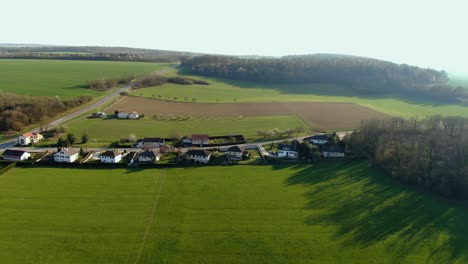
(12, 142)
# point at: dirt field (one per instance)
(317, 115)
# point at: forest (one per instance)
(365, 75)
(19, 111)
(431, 153)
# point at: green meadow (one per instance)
(228, 91)
(63, 78)
(329, 212)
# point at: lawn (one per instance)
(61, 77)
(228, 91)
(331, 212)
(109, 130)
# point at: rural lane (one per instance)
(12, 142)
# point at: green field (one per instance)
(63, 78)
(226, 91)
(332, 212)
(109, 130)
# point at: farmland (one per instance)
(324, 213)
(66, 79)
(109, 130)
(226, 91)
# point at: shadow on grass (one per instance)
(369, 208)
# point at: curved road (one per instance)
(12, 142)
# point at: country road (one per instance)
(12, 142)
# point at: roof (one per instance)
(13, 153)
(26, 135)
(319, 137)
(198, 152)
(111, 153)
(154, 140)
(200, 136)
(286, 147)
(148, 154)
(332, 148)
(236, 149)
(69, 152)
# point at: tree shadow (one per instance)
(369, 207)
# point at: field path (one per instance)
(151, 219)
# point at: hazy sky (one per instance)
(425, 33)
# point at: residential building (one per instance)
(15, 155)
(66, 155)
(122, 115)
(149, 143)
(200, 139)
(29, 138)
(319, 139)
(149, 156)
(198, 155)
(111, 156)
(287, 151)
(133, 115)
(235, 152)
(333, 150)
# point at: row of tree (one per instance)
(432, 153)
(358, 73)
(20, 111)
(157, 80)
(105, 84)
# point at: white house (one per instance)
(149, 156)
(148, 143)
(111, 156)
(133, 115)
(29, 138)
(198, 155)
(235, 152)
(15, 155)
(333, 151)
(122, 115)
(200, 139)
(66, 155)
(319, 139)
(286, 151)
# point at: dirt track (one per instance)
(317, 115)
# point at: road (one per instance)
(12, 142)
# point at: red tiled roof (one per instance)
(203, 137)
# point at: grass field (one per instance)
(225, 91)
(113, 129)
(63, 78)
(335, 212)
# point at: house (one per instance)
(98, 115)
(111, 156)
(133, 115)
(29, 138)
(66, 155)
(149, 156)
(151, 143)
(287, 151)
(319, 139)
(198, 155)
(122, 115)
(200, 139)
(333, 150)
(235, 152)
(15, 155)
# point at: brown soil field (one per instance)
(318, 115)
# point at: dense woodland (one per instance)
(20, 111)
(432, 153)
(361, 74)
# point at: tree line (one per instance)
(157, 80)
(432, 153)
(105, 84)
(19, 111)
(361, 74)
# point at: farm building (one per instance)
(151, 143)
(200, 139)
(127, 115)
(287, 151)
(198, 155)
(319, 139)
(15, 155)
(98, 115)
(29, 138)
(133, 115)
(332, 151)
(66, 155)
(111, 156)
(235, 152)
(149, 156)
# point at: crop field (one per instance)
(63, 78)
(109, 130)
(320, 116)
(226, 91)
(330, 212)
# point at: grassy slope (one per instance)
(326, 213)
(226, 91)
(62, 78)
(114, 129)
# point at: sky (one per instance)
(424, 33)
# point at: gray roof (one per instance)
(13, 153)
(286, 147)
(198, 152)
(148, 154)
(236, 149)
(111, 153)
(337, 148)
